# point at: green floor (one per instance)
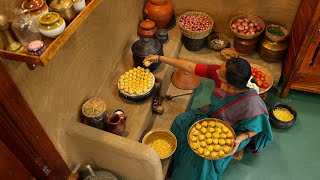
(293, 154)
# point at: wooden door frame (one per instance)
(22, 133)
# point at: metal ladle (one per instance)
(170, 97)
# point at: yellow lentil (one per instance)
(162, 147)
(283, 114)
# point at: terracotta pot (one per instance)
(185, 80)
(159, 11)
(116, 123)
(147, 29)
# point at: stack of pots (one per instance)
(159, 11)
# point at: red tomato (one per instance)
(253, 69)
(262, 75)
(265, 85)
(259, 83)
(262, 78)
(258, 73)
(253, 74)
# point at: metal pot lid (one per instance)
(32, 5)
(49, 18)
(146, 46)
(94, 107)
(60, 5)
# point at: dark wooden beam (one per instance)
(22, 133)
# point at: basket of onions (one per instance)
(246, 26)
(195, 25)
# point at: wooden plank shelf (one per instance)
(53, 45)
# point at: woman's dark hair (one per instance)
(238, 72)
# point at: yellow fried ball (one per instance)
(203, 144)
(208, 135)
(212, 123)
(214, 155)
(198, 126)
(203, 130)
(222, 142)
(216, 135)
(195, 146)
(206, 152)
(209, 141)
(225, 129)
(223, 136)
(210, 129)
(226, 149)
(228, 141)
(193, 138)
(216, 147)
(195, 132)
(221, 153)
(210, 148)
(218, 130)
(201, 137)
(219, 125)
(200, 150)
(204, 124)
(229, 135)
(215, 141)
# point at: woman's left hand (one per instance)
(236, 145)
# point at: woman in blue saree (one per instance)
(235, 99)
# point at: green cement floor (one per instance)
(294, 152)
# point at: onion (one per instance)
(248, 33)
(240, 20)
(240, 28)
(252, 29)
(244, 24)
(246, 20)
(234, 25)
(259, 28)
(242, 32)
(246, 27)
(251, 24)
(235, 30)
(256, 24)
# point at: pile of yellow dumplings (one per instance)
(136, 81)
(211, 139)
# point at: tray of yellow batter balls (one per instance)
(136, 83)
(211, 138)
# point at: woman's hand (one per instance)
(236, 145)
(150, 60)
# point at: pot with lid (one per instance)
(147, 29)
(144, 47)
(64, 8)
(36, 8)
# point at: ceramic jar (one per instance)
(245, 46)
(51, 25)
(159, 11)
(79, 5)
(162, 35)
(64, 8)
(147, 29)
(37, 8)
(116, 123)
(144, 47)
(95, 113)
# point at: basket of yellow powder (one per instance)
(162, 141)
(282, 115)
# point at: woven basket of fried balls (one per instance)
(211, 138)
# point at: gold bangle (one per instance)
(158, 59)
(247, 134)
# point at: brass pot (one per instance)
(245, 46)
(64, 8)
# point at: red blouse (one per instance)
(208, 71)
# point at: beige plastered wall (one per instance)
(82, 69)
(281, 12)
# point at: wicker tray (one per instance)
(228, 53)
(196, 34)
(190, 142)
(251, 18)
(269, 77)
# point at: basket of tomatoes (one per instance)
(263, 78)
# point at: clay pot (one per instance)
(159, 11)
(147, 29)
(144, 47)
(116, 123)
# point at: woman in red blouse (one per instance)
(235, 99)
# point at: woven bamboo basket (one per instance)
(196, 34)
(253, 19)
(274, 37)
(269, 77)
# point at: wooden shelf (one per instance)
(53, 45)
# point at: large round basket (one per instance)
(269, 77)
(215, 127)
(253, 19)
(196, 34)
(274, 37)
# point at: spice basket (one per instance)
(253, 19)
(196, 34)
(274, 37)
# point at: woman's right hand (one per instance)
(150, 60)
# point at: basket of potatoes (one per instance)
(211, 138)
